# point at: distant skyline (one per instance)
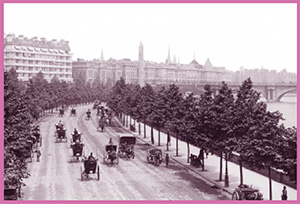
(230, 35)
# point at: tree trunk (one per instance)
(168, 135)
(188, 151)
(270, 182)
(177, 144)
(139, 128)
(221, 163)
(152, 137)
(129, 121)
(126, 120)
(241, 172)
(144, 129)
(158, 136)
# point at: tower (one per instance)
(141, 71)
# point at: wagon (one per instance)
(154, 156)
(110, 155)
(245, 192)
(90, 167)
(126, 146)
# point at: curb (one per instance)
(205, 179)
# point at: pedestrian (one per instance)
(284, 193)
(167, 159)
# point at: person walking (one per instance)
(284, 193)
(167, 159)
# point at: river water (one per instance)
(288, 107)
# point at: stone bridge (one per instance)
(272, 92)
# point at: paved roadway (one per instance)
(56, 178)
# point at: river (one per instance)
(288, 107)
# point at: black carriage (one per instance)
(126, 146)
(90, 167)
(195, 160)
(101, 124)
(88, 115)
(61, 112)
(154, 156)
(10, 194)
(73, 112)
(61, 135)
(245, 192)
(36, 133)
(110, 155)
(77, 149)
(76, 137)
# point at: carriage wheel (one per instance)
(98, 173)
(235, 196)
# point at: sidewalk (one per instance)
(212, 166)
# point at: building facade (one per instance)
(30, 56)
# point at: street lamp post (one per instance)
(226, 170)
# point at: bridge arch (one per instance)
(284, 93)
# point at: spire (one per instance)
(194, 56)
(174, 59)
(141, 71)
(101, 58)
(169, 58)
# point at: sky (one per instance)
(230, 35)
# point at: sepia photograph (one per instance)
(150, 101)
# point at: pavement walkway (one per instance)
(212, 166)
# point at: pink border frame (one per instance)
(131, 1)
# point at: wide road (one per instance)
(56, 178)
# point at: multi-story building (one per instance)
(141, 71)
(30, 56)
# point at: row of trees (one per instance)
(222, 123)
(23, 106)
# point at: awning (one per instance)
(44, 50)
(17, 47)
(37, 49)
(56, 51)
(50, 50)
(61, 51)
(23, 48)
(30, 48)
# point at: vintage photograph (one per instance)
(150, 101)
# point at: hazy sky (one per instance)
(230, 35)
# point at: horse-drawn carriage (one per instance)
(245, 192)
(195, 160)
(110, 155)
(35, 131)
(77, 149)
(126, 146)
(10, 194)
(61, 135)
(90, 166)
(88, 115)
(61, 112)
(73, 112)
(154, 156)
(101, 124)
(75, 137)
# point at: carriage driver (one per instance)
(60, 124)
(75, 131)
(91, 157)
